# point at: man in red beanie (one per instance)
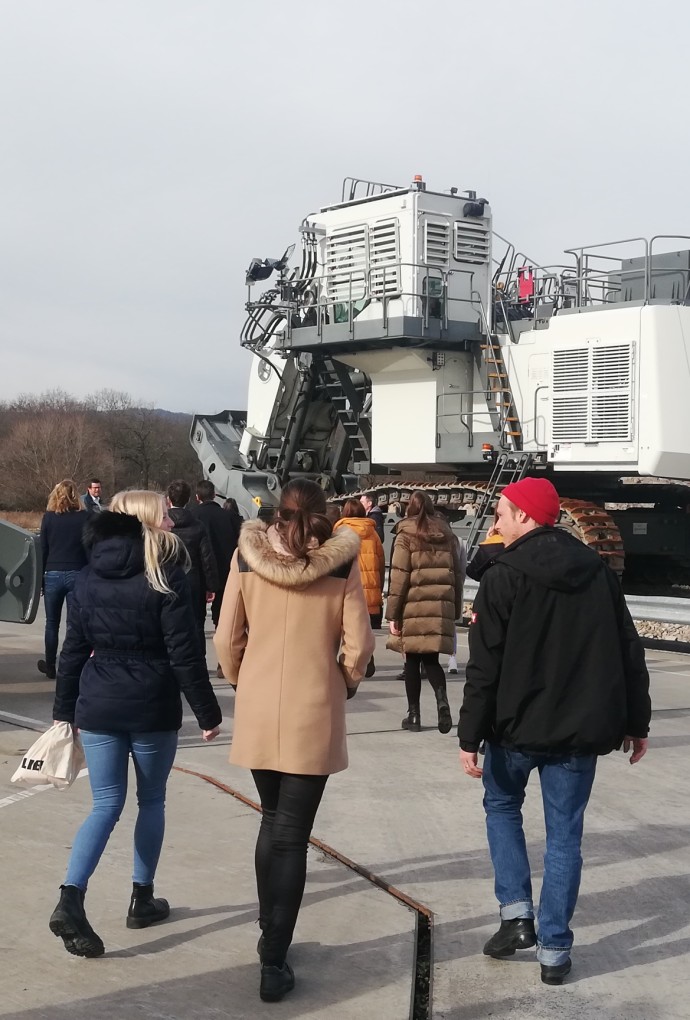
(556, 677)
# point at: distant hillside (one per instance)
(177, 416)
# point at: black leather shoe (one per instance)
(555, 975)
(48, 671)
(516, 934)
(275, 982)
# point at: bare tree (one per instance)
(52, 436)
(41, 449)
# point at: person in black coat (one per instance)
(556, 677)
(203, 575)
(131, 648)
(224, 532)
(230, 506)
(376, 514)
(63, 557)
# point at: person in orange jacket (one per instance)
(372, 565)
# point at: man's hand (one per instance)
(394, 628)
(468, 762)
(639, 748)
(208, 735)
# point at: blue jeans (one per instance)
(57, 586)
(566, 783)
(107, 758)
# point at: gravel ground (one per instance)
(663, 631)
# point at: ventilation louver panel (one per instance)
(346, 263)
(592, 393)
(611, 377)
(611, 417)
(570, 370)
(471, 242)
(570, 419)
(436, 243)
(384, 259)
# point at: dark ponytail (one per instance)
(421, 508)
(301, 517)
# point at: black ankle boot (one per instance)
(445, 720)
(275, 982)
(68, 921)
(515, 934)
(144, 909)
(48, 671)
(412, 720)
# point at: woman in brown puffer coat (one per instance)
(424, 601)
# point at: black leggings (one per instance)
(413, 678)
(289, 804)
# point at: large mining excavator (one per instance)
(413, 345)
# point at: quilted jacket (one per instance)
(129, 650)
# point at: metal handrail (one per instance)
(464, 416)
(364, 280)
(657, 608)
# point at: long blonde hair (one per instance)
(160, 547)
(64, 497)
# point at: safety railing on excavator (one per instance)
(596, 279)
(466, 413)
(325, 303)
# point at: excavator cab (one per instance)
(21, 572)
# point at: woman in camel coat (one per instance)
(294, 639)
(424, 601)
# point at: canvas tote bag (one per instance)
(56, 757)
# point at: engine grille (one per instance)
(592, 393)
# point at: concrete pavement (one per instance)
(402, 810)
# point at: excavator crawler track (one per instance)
(587, 521)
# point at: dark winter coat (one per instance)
(555, 664)
(203, 575)
(425, 594)
(61, 540)
(144, 643)
(223, 532)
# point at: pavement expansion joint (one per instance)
(422, 984)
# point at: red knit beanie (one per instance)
(537, 497)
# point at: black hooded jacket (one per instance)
(129, 650)
(556, 664)
(204, 573)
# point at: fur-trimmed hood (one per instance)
(116, 544)
(111, 525)
(285, 571)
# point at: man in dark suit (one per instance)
(203, 575)
(223, 531)
(92, 497)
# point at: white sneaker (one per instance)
(452, 664)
